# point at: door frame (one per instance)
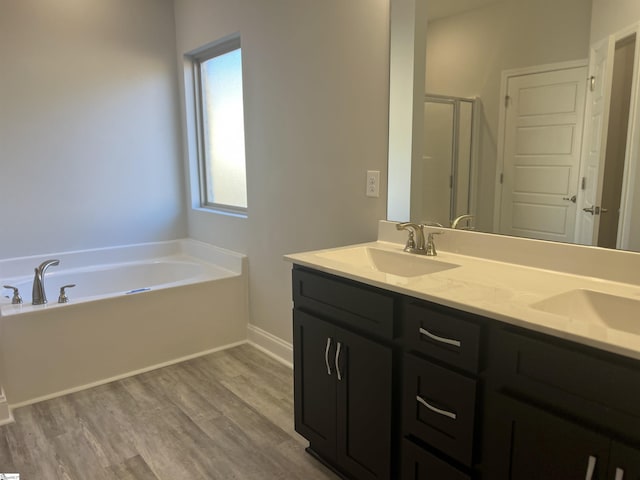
(632, 150)
(502, 118)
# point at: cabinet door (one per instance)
(364, 407)
(624, 463)
(526, 443)
(314, 382)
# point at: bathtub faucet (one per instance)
(38, 296)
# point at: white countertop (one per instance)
(498, 290)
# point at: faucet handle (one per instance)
(411, 242)
(16, 299)
(430, 247)
(62, 298)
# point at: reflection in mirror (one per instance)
(531, 120)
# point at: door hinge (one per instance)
(506, 101)
(501, 178)
(592, 83)
(583, 183)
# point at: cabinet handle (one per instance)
(448, 341)
(436, 410)
(591, 467)
(619, 474)
(338, 347)
(326, 356)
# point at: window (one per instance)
(220, 126)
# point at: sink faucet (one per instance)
(38, 295)
(415, 242)
(459, 219)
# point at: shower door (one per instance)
(443, 180)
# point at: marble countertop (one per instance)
(502, 291)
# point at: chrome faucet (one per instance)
(38, 295)
(459, 219)
(415, 242)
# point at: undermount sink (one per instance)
(619, 313)
(385, 261)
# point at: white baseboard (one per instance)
(5, 412)
(271, 345)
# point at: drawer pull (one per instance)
(326, 356)
(591, 467)
(448, 341)
(619, 474)
(436, 410)
(337, 360)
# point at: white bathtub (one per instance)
(133, 309)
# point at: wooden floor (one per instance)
(227, 416)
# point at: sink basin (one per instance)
(385, 261)
(619, 313)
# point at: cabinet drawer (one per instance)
(586, 383)
(441, 335)
(418, 464)
(439, 408)
(358, 306)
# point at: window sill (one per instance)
(216, 211)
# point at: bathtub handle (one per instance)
(63, 295)
(16, 299)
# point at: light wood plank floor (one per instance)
(228, 415)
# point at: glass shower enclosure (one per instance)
(443, 182)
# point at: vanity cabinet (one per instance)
(559, 410)
(387, 386)
(343, 373)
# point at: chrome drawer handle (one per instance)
(435, 409)
(448, 341)
(591, 467)
(339, 346)
(326, 356)
(619, 474)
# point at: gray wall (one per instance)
(89, 129)
(316, 102)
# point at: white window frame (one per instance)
(196, 59)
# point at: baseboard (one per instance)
(5, 412)
(117, 377)
(271, 345)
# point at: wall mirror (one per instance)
(525, 116)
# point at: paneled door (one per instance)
(543, 123)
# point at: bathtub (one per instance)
(133, 309)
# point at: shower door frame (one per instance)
(455, 151)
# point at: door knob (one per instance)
(571, 199)
(593, 210)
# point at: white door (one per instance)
(595, 145)
(541, 155)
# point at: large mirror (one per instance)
(528, 123)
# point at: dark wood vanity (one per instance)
(388, 386)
